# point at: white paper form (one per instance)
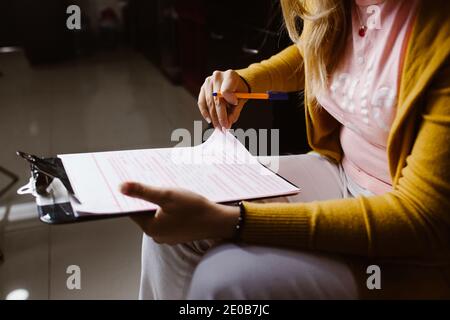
(221, 169)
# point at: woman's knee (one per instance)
(220, 275)
(249, 272)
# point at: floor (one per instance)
(109, 101)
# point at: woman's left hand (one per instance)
(182, 216)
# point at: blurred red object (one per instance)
(108, 16)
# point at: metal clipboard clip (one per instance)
(51, 187)
(45, 171)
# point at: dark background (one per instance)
(186, 40)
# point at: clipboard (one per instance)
(51, 187)
(56, 201)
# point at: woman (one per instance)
(376, 190)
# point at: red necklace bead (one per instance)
(362, 31)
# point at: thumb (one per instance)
(137, 190)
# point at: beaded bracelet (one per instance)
(240, 223)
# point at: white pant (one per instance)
(211, 270)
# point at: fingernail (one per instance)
(125, 188)
(208, 120)
(224, 130)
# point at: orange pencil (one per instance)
(270, 95)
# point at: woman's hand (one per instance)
(183, 216)
(222, 112)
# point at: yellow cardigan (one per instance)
(412, 222)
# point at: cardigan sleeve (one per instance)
(282, 72)
(411, 221)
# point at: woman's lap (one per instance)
(167, 271)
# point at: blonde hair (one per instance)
(325, 25)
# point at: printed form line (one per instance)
(107, 183)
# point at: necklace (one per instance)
(363, 28)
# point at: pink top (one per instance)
(363, 89)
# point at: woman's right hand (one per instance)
(222, 112)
